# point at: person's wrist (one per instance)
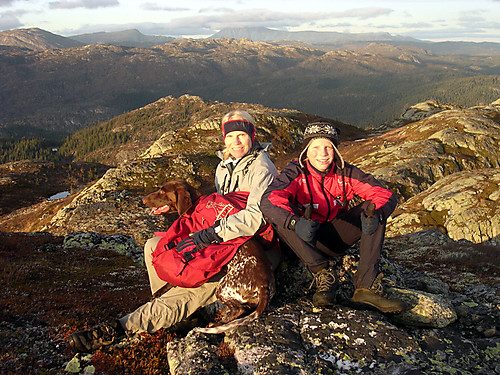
(293, 222)
(214, 232)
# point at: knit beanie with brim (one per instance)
(321, 129)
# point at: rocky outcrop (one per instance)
(446, 168)
(465, 205)
(425, 109)
(113, 203)
(294, 337)
(455, 149)
(412, 158)
(119, 243)
(443, 330)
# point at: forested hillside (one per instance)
(53, 93)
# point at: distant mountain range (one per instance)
(38, 39)
(53, 86)
(265, 34)
(334, 40)
(126, 38)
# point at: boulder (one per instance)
(423, 309)
(464, 205)
(411, 158)
(120, 243)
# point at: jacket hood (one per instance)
(338, 159)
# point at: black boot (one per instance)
(101, 335)
(374, 297)
(325, 288)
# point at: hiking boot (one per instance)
(325, 288)
(374, 297)
(95, 338)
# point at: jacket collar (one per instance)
(314, 172)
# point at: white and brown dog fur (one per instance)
(249, 280)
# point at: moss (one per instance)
(148, 356)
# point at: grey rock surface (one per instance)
(465, 205)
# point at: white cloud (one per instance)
(158, 7)
(5, 3)
(267, 18)
(206, 17)
(88, 4)
(9, 20)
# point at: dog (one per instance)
(174, 196)
(249, 280)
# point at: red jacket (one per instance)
(170, 265)
(289, 194)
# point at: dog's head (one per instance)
(175, 195)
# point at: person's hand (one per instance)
(305, 229)
(207, 236)
(198, 240)
(187, 247)
(369, 220)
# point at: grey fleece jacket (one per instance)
(253, 173)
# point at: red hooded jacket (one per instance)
(290, 193)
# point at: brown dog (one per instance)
(175, 196)
(249, 280)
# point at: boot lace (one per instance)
(103, 333)
(378, 286)
(324, 280)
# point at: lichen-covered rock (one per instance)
(294, 337)
(425, 109)
(195, 354)
(423, 309)
(120, 243)
(114, 203)
(465, 205)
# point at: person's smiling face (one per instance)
(320, 154)
(238, 143)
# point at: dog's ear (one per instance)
(184, 201)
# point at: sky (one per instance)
(434, 20)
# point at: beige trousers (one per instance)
(170, 308)
(177, 303)
(154, 281)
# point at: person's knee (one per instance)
(150, 245)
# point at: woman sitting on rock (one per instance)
(245, 166)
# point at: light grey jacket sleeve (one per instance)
(257, 178)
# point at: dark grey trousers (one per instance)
(334, 238)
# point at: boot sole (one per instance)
(385, 310)
(76, 344)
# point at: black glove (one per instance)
(369, 220)
(199, 240)
(305, 229)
